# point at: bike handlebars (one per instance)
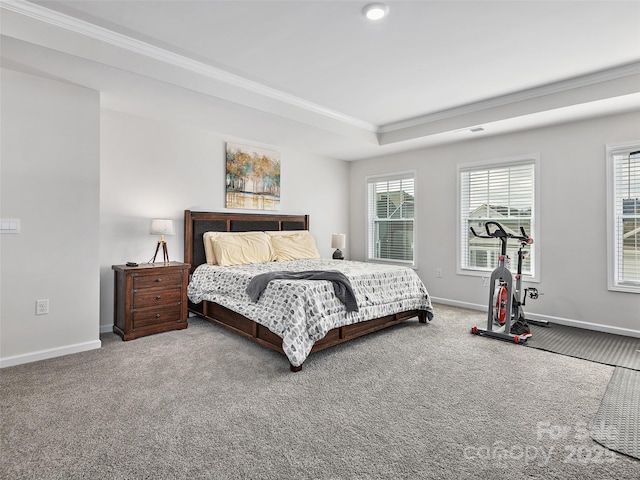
(501, 233)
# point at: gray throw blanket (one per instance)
(341, 284)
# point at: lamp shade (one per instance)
(162, 227)
(338, 240)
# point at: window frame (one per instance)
(385, 177)
(613, 284)
(531, 158)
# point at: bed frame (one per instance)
(196, 223)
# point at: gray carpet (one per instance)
(412, 402)
(617, 425)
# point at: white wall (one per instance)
(86, 183)
(152, 169)
(50, 181)
(573, 237)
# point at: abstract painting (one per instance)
(253, 178)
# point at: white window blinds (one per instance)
(626, 218)
(502, 193)
(391, 214)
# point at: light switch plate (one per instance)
(10, 225)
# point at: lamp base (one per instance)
(165, 251)
(337, 255)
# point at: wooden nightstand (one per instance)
(150, 298)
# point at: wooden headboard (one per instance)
(197, 223)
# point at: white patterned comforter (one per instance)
(301, 312)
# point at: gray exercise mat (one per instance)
(600, 347)
(617, 423)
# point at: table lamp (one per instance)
(338, 241)
(162, 227)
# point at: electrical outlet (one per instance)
(439, 272)
(42, 307)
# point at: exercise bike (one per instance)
(505, 305)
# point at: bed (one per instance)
(293, 317)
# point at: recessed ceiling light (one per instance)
(375, 11)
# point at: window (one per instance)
(390, 218)
(623, 217)
(503, 191)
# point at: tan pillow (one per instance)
(285, 233)
(208, 237)
(242, 249)
(294, 246)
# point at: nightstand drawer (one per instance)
(151, 298)
(159, 280)
(154, 316)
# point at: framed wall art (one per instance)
(252, 177)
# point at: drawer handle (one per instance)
(157, 315)
(158, 297)
(158, 280)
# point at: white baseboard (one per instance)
(50, 353)
(627, 332)
(456, 303)
(106, 328)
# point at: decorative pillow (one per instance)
(209, 237)
(298, 245)
(242, 249)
